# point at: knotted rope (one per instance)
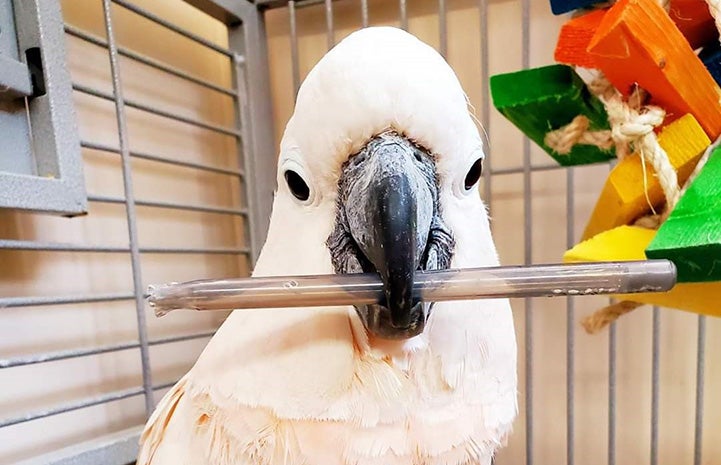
(633, 125)
(632, 130)
(563, 140)
(603, 317)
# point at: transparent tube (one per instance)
(474, 283)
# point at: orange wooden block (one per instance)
(624, 197)
(693, 19)
(574, 38)
(637, 42)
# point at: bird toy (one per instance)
(636, 81)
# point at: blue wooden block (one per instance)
(559, 7)
(711, 58)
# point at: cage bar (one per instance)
(655, 371)
(88, 351)
(129, 208)
(611, 449)
(166, 160)
(10, 244)
(443, 28)
(528, 242)
(171, 205)
(570, 326)
(485, 96)
(700, 367)
(330, 33)
(294, 62)
(37, 301)
(521, 170)
(242, 113)
(153, 63)
(177, 29)
(81, 404)
(403, 12)
(156, 111)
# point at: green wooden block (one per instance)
(543, 99)
(691, 236)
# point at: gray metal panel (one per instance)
(14, 79)
(225, 11)
(51, 180)
(15, 153)
(260, 160)
(120, 448)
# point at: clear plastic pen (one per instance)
(476, 283)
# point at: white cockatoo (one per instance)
(377, 172)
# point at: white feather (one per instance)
(307, 385)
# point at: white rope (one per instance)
(632, 129)
(714, 7)
(563, 139)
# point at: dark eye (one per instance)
(297, 186)
(474, 174)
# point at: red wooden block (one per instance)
(693, 19)
(637, 42)
(574, 37)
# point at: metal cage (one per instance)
(247, 54)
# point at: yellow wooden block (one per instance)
(626, 243)
(622, 199)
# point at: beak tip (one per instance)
(407, 315)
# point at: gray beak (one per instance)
(388, 201)
(389, 216)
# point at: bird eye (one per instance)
(474, 174)
(297, 185)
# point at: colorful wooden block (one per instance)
(574, 38)
(693, 19)
(711, 58)
(559, 7)
(628, 243)
(543, 99)
(638, 43)
(691, 236)
(623, 198)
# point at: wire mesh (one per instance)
(527, 170)
(130, 204)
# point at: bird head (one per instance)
(378, 172)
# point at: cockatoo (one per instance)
(377, 172)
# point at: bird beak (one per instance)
(389, 209)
